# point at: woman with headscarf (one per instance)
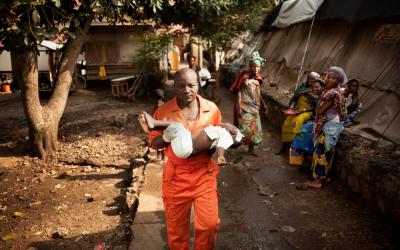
(303, 104)
(330, 112)
(247, 103)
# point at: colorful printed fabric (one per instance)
(292, 125)
(304, 139)
(338, 109)
(332, 131)
(322, 159)
(249, 97)
(236, 87)
(306, 104)
(303, 88)
(250, 126)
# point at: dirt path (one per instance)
(260, 208)
(65, 204)
(77, 200)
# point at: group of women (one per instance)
(319, 109)
(322, 108)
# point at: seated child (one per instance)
(353, 104)
(187, 144)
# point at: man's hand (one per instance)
(171, 132)
(232, 129)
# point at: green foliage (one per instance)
(245, 16)
(219, 21)
(23, 23)
(154, 47)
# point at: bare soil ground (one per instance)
(76, 200)
(260, 207)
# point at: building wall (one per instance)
(115, 51)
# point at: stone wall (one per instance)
(370, 168)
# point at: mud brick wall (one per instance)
(371, 169)
(273, 109)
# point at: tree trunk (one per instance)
(43, 120)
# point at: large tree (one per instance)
(25, 23)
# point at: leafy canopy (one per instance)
(218, 21)
(24, 23)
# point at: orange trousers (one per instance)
(182, 187)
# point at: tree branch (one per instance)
(66, 68)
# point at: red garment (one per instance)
(236, 86)
(190, 181)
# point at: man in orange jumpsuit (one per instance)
(192, 180)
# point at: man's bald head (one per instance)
(186, 86)
(185, 73)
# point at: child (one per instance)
(353, 104)
(187, 144)
(160, 94)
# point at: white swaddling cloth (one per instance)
(220, 136)
(182, 145)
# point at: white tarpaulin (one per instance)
(367, 50)
(296, 11)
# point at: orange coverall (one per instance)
(190, 181)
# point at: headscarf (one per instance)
(314, 74)
(305, 87)
(340, 74)
(256, 59)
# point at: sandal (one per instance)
(307, 185)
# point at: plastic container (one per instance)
(296, 157)
(5, 88)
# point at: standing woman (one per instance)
(247, 103)
(330, 112)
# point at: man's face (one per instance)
(186, 87)
(192, 62)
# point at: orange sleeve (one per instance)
(217, 117)
(154, 133)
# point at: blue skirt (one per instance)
(304, 138)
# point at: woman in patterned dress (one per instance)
(247, 103)
(330, 113)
